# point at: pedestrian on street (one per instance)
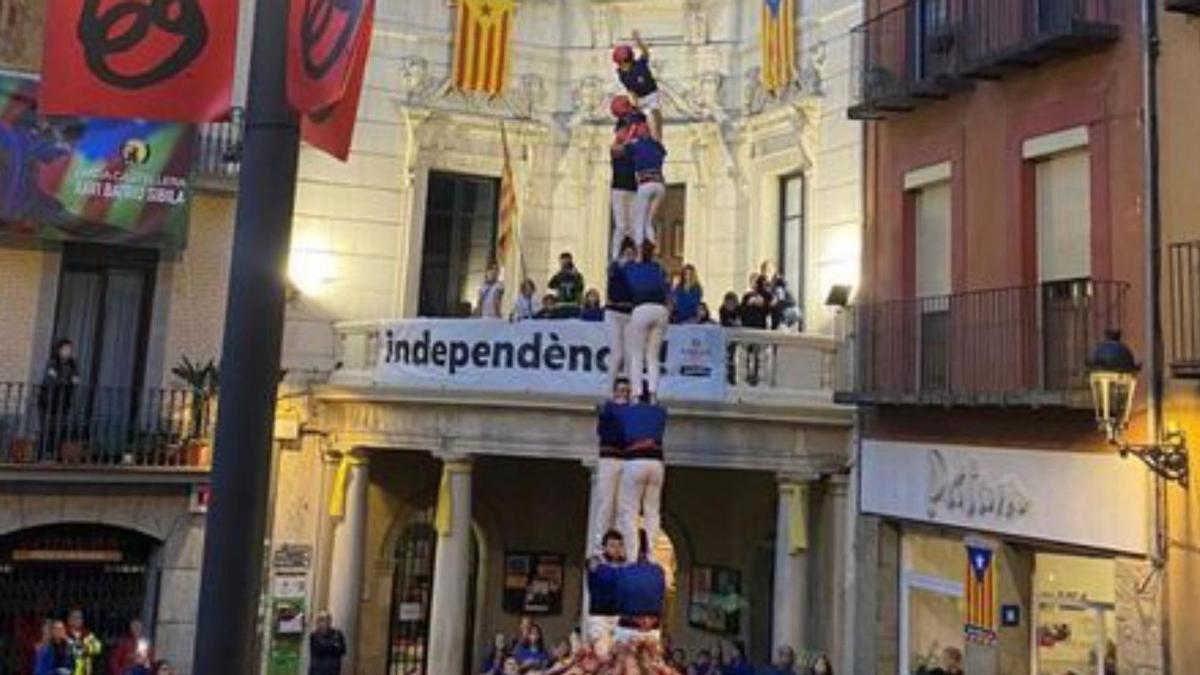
(326, 647)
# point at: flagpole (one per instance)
(233, 544)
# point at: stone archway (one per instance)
(48, 570)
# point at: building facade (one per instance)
(1004, 238)
(758, 515)
(1181, 281)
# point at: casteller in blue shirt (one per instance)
(647, 282)
(642, 427)
(641, 590)
(639, 79)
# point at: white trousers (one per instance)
(643, 220)
(632, 636)
(640, 492)
(643, 340)
(622, 212)
(604, 502)
(618, 361)
(601, 627)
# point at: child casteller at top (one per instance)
(638, 80)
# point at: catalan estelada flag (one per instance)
(483, 45)
(508, 205)
(778, 44)
(981, 594)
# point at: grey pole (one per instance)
(233, 544)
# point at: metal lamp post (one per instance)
(1113, 377)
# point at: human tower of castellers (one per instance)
(626, 585)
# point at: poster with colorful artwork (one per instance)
(533, 583)
(716, 600)
(82, 179)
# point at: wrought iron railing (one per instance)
(928, 49)
(104, 426)
(1183, 268)
(1014, 345)
(218, 155)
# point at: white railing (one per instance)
(762, 367)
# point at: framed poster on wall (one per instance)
(533, 583)
(716, 601)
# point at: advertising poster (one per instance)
(533, 583)
(90, 180)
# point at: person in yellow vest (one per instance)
(85, 646)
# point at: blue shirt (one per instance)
(647, 283)
(594, 314)
(620, 296)
(608, 428)
(641, 589)
(648, 154)
(639, 80)
(686, 303)
(604, 581)
(642, 429)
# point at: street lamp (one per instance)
(1112, 372)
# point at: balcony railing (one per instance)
(925, 50)
(762, 367)
(84, 427)
(1012, 346)
(218, 158)
(1183, 268)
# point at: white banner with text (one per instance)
(568, 357)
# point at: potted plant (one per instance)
(203, 382)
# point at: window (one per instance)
(460, 240)
(1064, 216)
(932, 270)
(791, 233)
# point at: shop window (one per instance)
(1075, 619)
(932, 606)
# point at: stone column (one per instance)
(349, 539)
(591, 536)
(791, 566)
(323, 555)
(451, 570)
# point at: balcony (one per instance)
(739, 399)
(218, 154)
(1184, 6)
(926, 50)
(758, 368)
(1183, 270)
(82, 431)
(1012, 346)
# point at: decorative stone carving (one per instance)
(416, 82)
(812, 75)
(588, 99)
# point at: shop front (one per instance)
(1015, 561)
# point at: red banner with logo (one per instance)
(323, 37)
(329, 42)
(170, 60)
(332, 129)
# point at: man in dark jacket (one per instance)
(326, 647)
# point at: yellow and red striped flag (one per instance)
(483, 45)
(981, 594)
(508, 205)
(778, 45)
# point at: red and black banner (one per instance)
(332, 128)
(170, 60)
(328, 45)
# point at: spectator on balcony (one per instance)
(592, 310)
(163, 668)
(785, 662)
(531, 653)
(704, 315)
(784, 311)
(527, 305)
(491, 294)
(686, 297)
(729, 312)
(85, 646)
(56, 396)
(56, 657)
(739, 663)
(568, 282)
(756, 304)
